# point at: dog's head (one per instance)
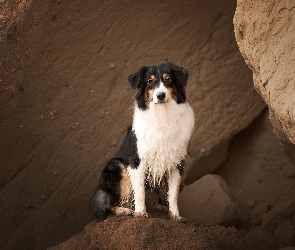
(160, 84)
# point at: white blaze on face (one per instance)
(161, 94)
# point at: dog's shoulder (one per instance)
(127, 152)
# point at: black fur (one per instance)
(137, 81)
(128, 150)
(181, 76)
(140, 78)
(180, 167)
(108, 190)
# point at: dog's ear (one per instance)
(181, 73)
(136, 78)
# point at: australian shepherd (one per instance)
(155, 146)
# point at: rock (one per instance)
(209, 201)
(250, 203)
(152, 233)
(288, 248)
(284, 234)
(265, 37)
(256, 166)
(257, 213)
(280, 212)
(230, 86)
(61, 61)
(77, 242)
(260, 238)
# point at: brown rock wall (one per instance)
(65, 101)
(265, 34)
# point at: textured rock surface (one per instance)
(257, 213)
(284, 234)
(265, 34)
(256, 167)
(279, 213)
(260, 238)
(66, 103)
(209, 201)
(164, 234)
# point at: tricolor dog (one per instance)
(154, 149)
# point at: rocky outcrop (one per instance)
(257, 170)
(265, 36)
(143, 233)
(66, 103)
(279, 213)
(284, 234)
(210, 202)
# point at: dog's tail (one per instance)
(100, 204)
(108, 191)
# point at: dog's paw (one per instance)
(122, 211)
(177, 218)
(128, 211)
(141, 214)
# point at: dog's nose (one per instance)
(161, 96)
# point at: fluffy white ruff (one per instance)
(163, 132)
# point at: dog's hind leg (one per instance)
(125, 195)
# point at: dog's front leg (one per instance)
(174, 180)
(137, 178)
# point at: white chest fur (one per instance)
(163, 132)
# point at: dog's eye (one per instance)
(150, 81)
(167, 79)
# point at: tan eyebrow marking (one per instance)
(152, 79)
(166, 76)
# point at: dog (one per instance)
(153, 152)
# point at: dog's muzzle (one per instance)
(161, 97)
(161, 94)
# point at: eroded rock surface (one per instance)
(66, 103)
(209, 201)
(265, 34)
(154, 233)
(281, 212)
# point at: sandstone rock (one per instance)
(251, 203)
(280, 212)
(77, 242)
(260, 238)
(284, 234)
(230, 112)
(265, 37)
(152, 233)
(256, 166)
(65, 109)
(209, 201)
(257, 213)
